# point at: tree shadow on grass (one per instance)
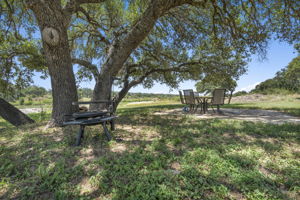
(204, 134)
(39, 164)
(189, 159)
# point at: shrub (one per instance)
(240, 93)
(28, 103)
(21, 101)
(47, 101)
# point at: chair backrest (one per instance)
(196, 94)
(218, 96)
(181, 97)
(189, 96)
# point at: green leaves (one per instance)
(19, 59)
(287, 78)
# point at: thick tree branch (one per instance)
(128, 85)
(92, 68)
(120, 50)
(74, 5)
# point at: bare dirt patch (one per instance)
(249, 98)
(32, 110)
(139, 102)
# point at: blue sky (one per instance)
(279, 54)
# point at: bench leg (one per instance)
(106, 131)
(80, 135)
(112, 125)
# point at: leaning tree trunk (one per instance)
(121, 95)
(230, 96)
(121, 49)
(53, 26)
(13, 115)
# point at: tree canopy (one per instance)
(144, 41)
(19, 58)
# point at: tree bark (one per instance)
(121, 95)
(120, 50)
(13, 115)
(53, 25)
(102, 90)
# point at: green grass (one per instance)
(152, 157)
(285, 103)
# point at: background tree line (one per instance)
(287, 79)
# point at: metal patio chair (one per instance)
(218, 98)
(191, 99)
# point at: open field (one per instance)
(152, 157)
(285, 103)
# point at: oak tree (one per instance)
(145, 40)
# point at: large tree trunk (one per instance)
(12, 114)
(102, 90)
(120, 50)
(53, 26)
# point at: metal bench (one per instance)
(91, 118)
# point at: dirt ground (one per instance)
(255, 115)
(32, 110)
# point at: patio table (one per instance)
(204, 101)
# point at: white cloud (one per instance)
(249, 87)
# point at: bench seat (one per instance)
(90, 121)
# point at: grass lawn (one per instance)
(152, 157)
(285, 103)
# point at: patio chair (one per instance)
(190, 99)
(218, 98)
(181, 97)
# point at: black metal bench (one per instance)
(92, 118)
(83, 122)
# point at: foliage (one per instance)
(240, 93)
(85, 93)
(208, 85)
(145, 41)
(34, 91)
(21, 101)
(286, 79)
(192, 32)
(18, 60)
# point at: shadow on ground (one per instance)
(154, 157)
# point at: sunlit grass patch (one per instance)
(285, 103)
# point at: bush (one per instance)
(28, 103)
(21, 101)
(47, 101)
(240, 93)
